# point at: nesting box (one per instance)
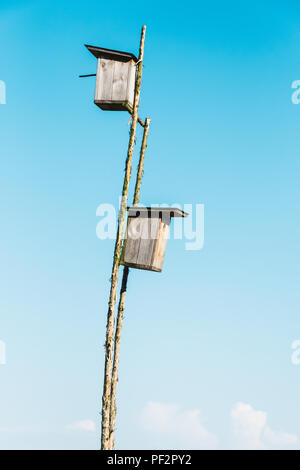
(146, 237)
(115, 79)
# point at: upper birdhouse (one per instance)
(115, 79)
(146, 237)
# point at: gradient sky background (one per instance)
(215, 328)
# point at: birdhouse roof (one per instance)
(111, 54)
(155, 212)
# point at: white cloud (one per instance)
(251, 430)
(177, 428)
(248, 426)
(84, 425)
(171, 427)
(280, 439)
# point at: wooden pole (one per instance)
(121, 307)
(140, 171)
(117, 253)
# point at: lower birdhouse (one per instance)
(115, 79)
(146, 237)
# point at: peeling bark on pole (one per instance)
(116, 259)
(113, 408)
(121, 307)
(140, 172)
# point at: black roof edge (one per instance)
(110, 53)
(173, 211)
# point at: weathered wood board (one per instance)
(115, 82)
(160, 246)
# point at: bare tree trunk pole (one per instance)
(121, 307)
(140, 171)
(117, 254)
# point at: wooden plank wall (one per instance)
(105, 73)
(145, 243)
(115, 81)
(160, 247)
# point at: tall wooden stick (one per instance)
(117, 253)
(121, 307)
(140, 171)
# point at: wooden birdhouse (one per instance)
(146, 237)
(115, 79)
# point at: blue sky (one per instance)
(206, 343)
